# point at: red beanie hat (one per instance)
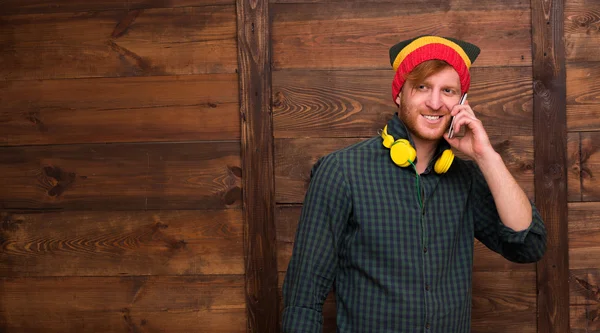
(406, 55)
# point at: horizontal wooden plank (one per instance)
(584, 286)
(590, 166)
(584, 235)
(356, 103)
(358, 35)
(496, 296)
(68, 6)
(573, 167)
(294, 159)
(169, 108)
(584, 319)
(582, 21)
(204, 175)
(583, 96)
(122, 243)
(189, 40)
(123, 304)
(501, 295)
(428, 4)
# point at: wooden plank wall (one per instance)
(331, 88)
(120, 167)
(582, 40)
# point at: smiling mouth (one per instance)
(432, 117)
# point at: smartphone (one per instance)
(463, 98)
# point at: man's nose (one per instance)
(434, 101)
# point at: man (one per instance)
(390, 222)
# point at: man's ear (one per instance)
(398, 98)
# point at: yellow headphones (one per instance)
(403, 154)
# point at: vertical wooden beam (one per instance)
(550, 142)
(253, 38)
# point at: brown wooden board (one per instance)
(585, 286)
(585, 300)
(195, 40)
(590, 166)
(584, 235)
(55, 6)
(357, 103)
(496, 297)
(584, 319)
(168, 108)
(583, 96)
(121, 243)
(204, 175)
(438, 4)
(288, 216)
(254, 58)
(123, 304)
(574, 167)
(295, 158)
(581, 21)
(550, 133)
(504, 302)
(348, 35)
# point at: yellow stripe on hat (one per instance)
(422, 41)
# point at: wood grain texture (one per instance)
(357, 103)
(550, 133)
(254, 58)
(350, 35)
(70, 6)
(574, 167)
(584, 235)
(583, 96)
(585, 300)
(295, 157)
(438, 4)
(169, 108)
(189, 40)
(498, 296)
(590, 166)
(123, 304)
(585, 287)
(204, 175)
(585, 319)
(121, 243)
(582, 30)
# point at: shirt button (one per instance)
(425, 249)
(427, 326)
(427, 287)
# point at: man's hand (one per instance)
(475, 143)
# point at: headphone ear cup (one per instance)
(444, 162)
(402, 153)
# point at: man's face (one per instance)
(425, 106)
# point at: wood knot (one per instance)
(56, 180)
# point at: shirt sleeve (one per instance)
(312, 268)
(524, 246)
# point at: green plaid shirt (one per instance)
(396, 267)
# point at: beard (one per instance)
(411, 116)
